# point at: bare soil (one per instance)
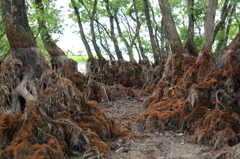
(144, 145)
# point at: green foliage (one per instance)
(183, 34)
(124, 10)
(52, 17)
(4, 45)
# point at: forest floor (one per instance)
(145, 145)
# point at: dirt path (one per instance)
(145, 145)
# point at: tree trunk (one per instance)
(20, 37)
(225, 11)
(209, 27)
(58, 57)
(92, 19)
(164, 46)
(93, 30)
(23, 48)
(190, 45)
(83, 37)
(113, 35)
(144, 57)
(104, 46)
(150, 30)
(221, 46)
(172, 34)
(129, 47)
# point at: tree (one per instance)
(23, 47)
(138, 27)
(40, 97)
(223, 26)
(58, 57)
(129, 45)
(150, 29)
(171, 31)
(112, 30)
(209, 27)
(104, 44)
(83, 37)
(92, 17)
(190, 44)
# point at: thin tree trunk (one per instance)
(190, 44)
(104, 46)
(92, 19)
(221, 46)
(129, 48)
(83, 37)
(113, 35)
(169, 25)
(150, 30)
(144, 57)
(209, 27)
(164, 47)
(156, 30)
(58, 57)
(225, 11)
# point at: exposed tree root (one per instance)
(54, 119)
(111, 73)
(197, 99)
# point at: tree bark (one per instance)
(190, 45)
(150, 30)
(171, 31)
(209, 27)
(83, 37)
(20, 37)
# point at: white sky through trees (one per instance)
(69, 41)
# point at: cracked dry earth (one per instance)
(145, 145)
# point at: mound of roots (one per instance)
(200, 97)
(111, 73)
(59, 123)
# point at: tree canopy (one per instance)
(138, 28)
